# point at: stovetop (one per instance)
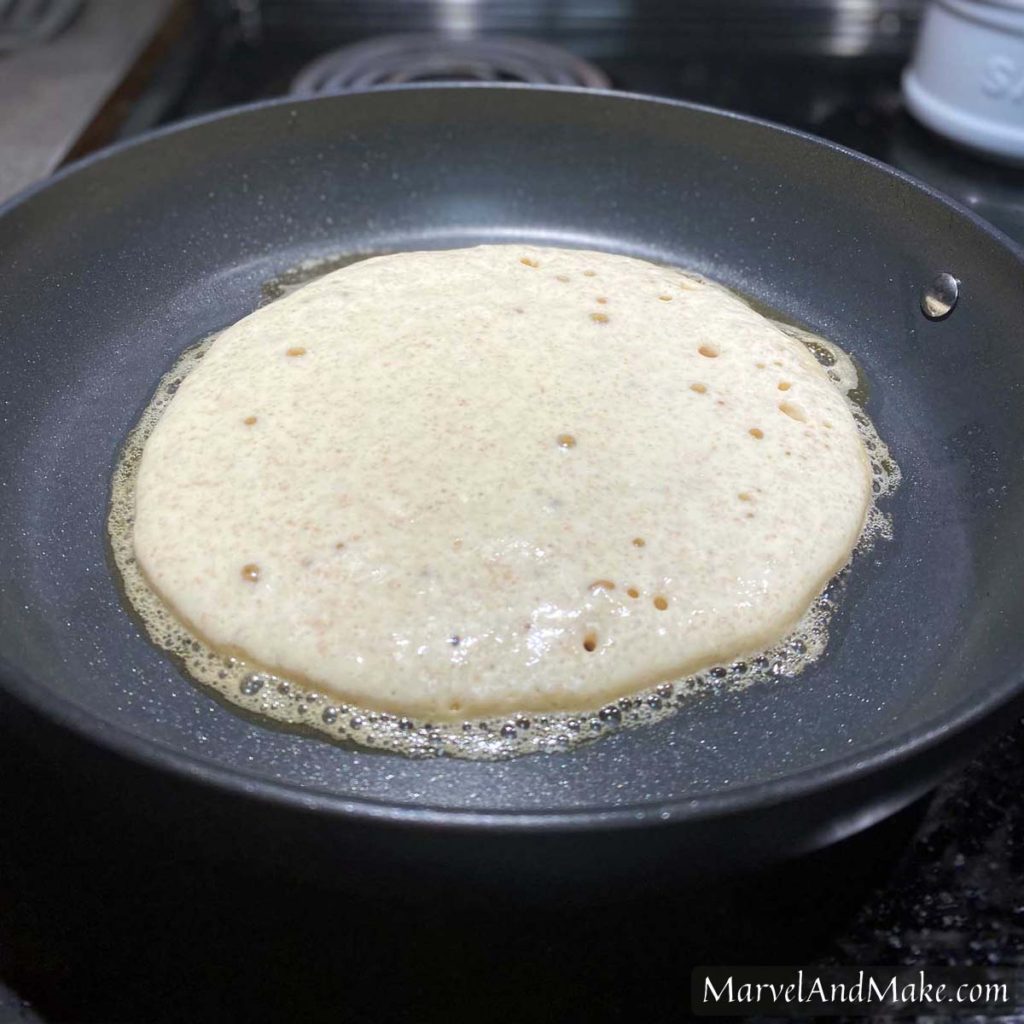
(99, 923)
(852, 100)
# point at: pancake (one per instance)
(508, 478)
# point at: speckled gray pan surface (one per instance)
(113, 268)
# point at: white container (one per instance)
(966, 80)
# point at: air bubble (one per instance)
(793, 411)
(251, 685)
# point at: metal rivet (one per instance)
(939, 298)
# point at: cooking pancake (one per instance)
(460, 483)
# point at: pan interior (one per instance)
(118, 266)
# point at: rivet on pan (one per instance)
(939, 298)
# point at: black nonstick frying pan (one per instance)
(117, 264)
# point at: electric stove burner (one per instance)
(389, 60)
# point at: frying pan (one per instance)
(118, 263)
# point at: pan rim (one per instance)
(907, 745)
(185, 124)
